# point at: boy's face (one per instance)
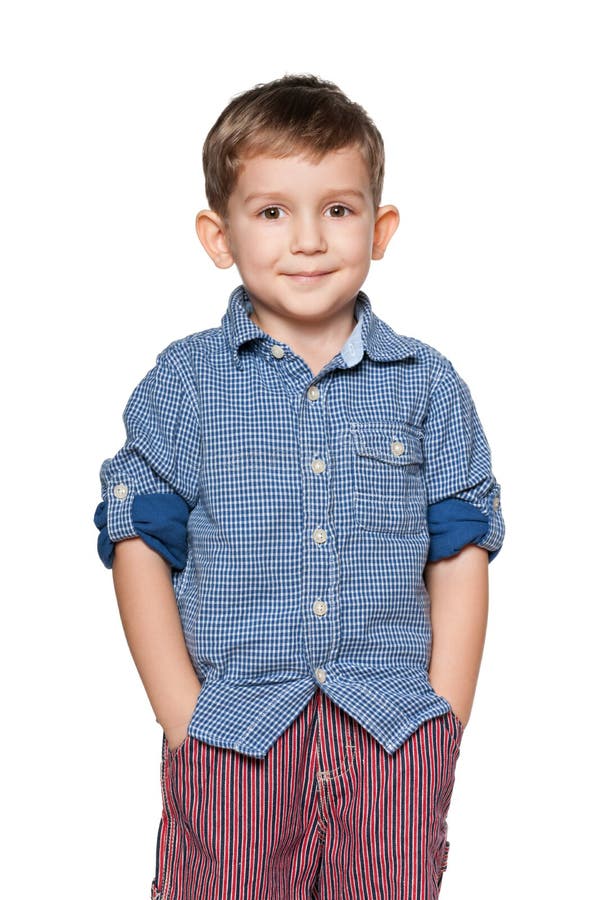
(302, 234)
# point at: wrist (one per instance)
(176, 736)
(176, 718)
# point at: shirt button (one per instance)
(318, 466)
(319, 607)
(120, 491)
(319, 536)
(313, 392)
(397, 448)
(277, 351)
(321, 675)
(496, 504)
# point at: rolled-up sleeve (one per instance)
(151, 484)
(462, 494)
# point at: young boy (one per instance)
(299, 526)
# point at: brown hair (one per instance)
(294, 114)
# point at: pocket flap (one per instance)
(391, 443)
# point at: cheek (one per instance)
(255, 255)
(357, 249)
(262, 248)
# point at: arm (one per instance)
(458, 590)
(153, 629)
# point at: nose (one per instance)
(307, 236)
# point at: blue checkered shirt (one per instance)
(298, 513)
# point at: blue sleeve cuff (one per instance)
(105, 545)
(452, 525)
(160, 520)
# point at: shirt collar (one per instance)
(370, 334)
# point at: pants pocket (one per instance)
(182, 781)
(454, 727)
(173, 754)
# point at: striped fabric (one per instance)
(307, 534)
(326, 814)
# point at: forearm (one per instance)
(153, 629)
(458, 590)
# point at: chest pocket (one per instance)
(389, 492)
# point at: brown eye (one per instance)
(271, 212)
(338, 211)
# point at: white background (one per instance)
(490, 116)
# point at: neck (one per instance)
(317, 342)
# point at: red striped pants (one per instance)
(328, 814)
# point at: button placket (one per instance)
(321, 571)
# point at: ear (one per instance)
(212, 234)
(387, 219)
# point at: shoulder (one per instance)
(191, 356)
(424, 357)
(178, 367)
(193, 346)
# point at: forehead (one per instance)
(336, 170)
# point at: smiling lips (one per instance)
(307, 277)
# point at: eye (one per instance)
(271, 213)
(338, 211)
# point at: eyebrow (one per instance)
(276, 195)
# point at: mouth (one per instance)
(308, 277)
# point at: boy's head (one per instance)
(294, 175)
(294, 115)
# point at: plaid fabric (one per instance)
(307, 532)
(327, 814)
